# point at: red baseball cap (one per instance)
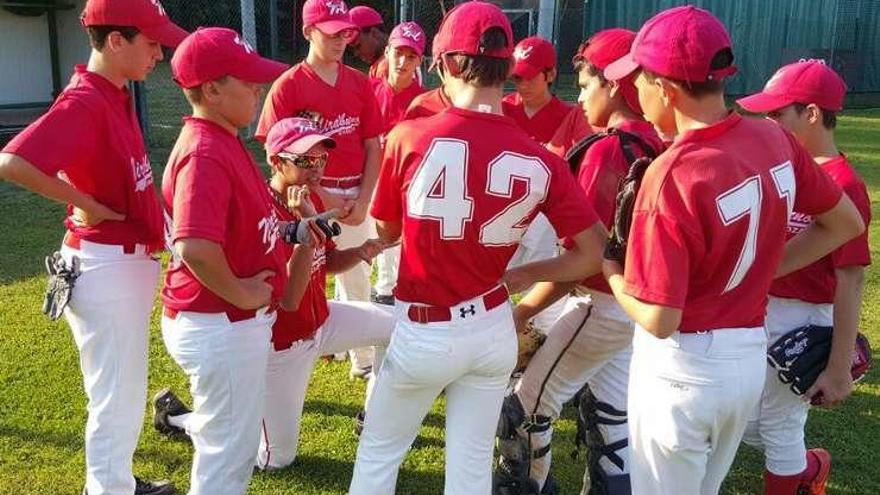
(465, 24)
(329, 16)
(532, 56)
(604, 48)
(806, 82)
(677, 43)
(408, 34)
(211, 53)
(148, 16)
(364, 17)
(295, 135)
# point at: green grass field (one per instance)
(42, 406)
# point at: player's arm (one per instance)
(835, 382)
(207, 261)
(299, 274)
(342, 260)
(17, 170)
(361, 205)
(542, 296)
(583, 260)
(661, 321)
(828, 231)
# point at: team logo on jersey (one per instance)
(798, 222)
(269, 228)
(408, 31)
(343, 124)
(142, 172)
(159, 7)
(522, 52)
(238, 40)
(336, 7)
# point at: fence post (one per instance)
(273, 29)
(249, 32)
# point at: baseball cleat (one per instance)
(816, 486)
(362, 373)
(143, 487)
(166, 404)
(387, 300)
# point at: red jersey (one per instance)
(428, 104)
(573, 128)
(393, 105)
(601, 170)
(709, 222)
(347, 112)
(543, 124)
(817, 283)
(91, 135)
(213, 190)
(466, 199)
(292, 326)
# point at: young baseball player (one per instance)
(340, 101)
(297, 152)
(430, 102)
(394, 93)
(591, 341)
(538, 112)
(460, 200)
(804, 99)
(707, 238)
(372, 39)
(87, 151)
(228, 270)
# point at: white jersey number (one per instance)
(744, 200)
(439, 191)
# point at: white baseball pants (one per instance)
(354, 284)
(777, 425)
(472, 358)
(591, 342)
(539, 243)
(109, 316)
(351, 324)
(226, 365)
(690, 397)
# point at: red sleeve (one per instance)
(202, 193)
(815, 191)
(565, 206)
(53, 143)
(279, 101)
(856, 252)
(387, 200)
(371, 118)
(599, 176)
(657, 260)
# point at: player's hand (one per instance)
(370, 249)
(316, 235)
(256, 291)
(357, 212)
(831, 388)
(300, 202)
(94, 214)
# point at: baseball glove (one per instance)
(615, 246)
(802, 354)
(528, 342)
(59, 286)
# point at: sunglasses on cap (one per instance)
(305, 162)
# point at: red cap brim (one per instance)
(167, 34)
(306, 143)
(621, 68)
(261, 71)
(333, 27)
(525, 71)
(763, 102)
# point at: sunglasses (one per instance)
(305, 162)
